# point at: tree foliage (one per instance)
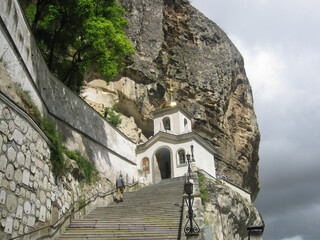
(76, 34)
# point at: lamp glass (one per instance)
(188, 188)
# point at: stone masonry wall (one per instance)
(30, 196)
(84, 129)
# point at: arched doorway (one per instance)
(162, 164)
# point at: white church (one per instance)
(164, 155)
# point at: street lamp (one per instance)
(255, 232)
(192, 228)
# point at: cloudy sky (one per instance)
(280, 43)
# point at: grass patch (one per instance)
(203, 190)
(86, 168)
(110, 114)
(28, 103)
(56, 156)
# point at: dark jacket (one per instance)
(120, 182)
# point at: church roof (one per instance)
(175, 108)
(177, 138)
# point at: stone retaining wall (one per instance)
(30, 196)
(83, 128)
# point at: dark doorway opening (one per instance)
(163, 159)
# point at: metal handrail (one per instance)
(71, 210)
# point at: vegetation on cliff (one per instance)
(75, 34)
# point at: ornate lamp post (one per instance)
(255, 232)
(191, 227)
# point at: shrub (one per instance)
(111, 116)
(56, 157)
(28, 103)
(203, 190)
(86, 168)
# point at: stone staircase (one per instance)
(153, 212)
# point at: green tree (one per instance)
(74, 35)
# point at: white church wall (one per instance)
(203, 159)
(184, 127)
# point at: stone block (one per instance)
(33, 149)
(17, 121)
(3, 163)
(4, 128)
(27, 162)
(26, 229)
(12, 186)
(19, 212)
(33, 209)
(21, 229)
(48, 203)
(46, 170)
(38, 204)
(3, 222)
(25, 177)
(16, 224)
(1, 177)
(24, 127)
(9, 225)
(31, 221)
(20, 159)
(27, 207)
(4, 213)
(11, 126)
(45, 183)
(5, 183)
(28, 194)
(11, 154)
(18, 175)
(9, 172)
(24, 220)
(48, 215)
(1, 142)
(3, 195)
(17, 136)
(4, 148)
(14, 234)
(12, 203)
(28, 134)
(42, 216)
(42, 197)
(35, 185)
(33, 168)
(33, 197)
(22, 192)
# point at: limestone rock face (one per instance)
(228, 213)
(173, 40)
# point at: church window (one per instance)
(166, 123)
(185, 124)
(182, 157)
(145, 164)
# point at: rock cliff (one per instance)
(228, 213)
(173, 40)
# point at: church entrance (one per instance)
(162, 165)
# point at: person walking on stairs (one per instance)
(120, 184)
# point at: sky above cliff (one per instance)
(280, 43)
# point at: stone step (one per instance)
(152, 212)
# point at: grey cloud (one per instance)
(289, 199)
